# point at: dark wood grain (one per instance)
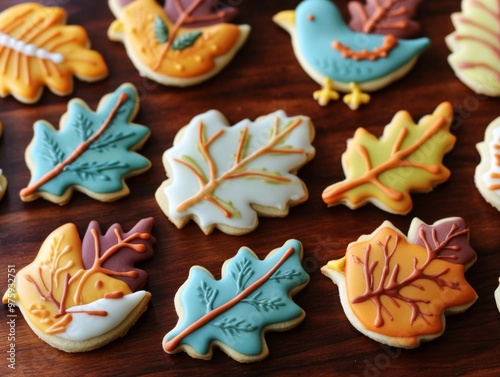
(264, 77)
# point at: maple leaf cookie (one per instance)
(224, 177)
(3, 180)
(407, 158)
(487, 174)
(340, 58)
(37, 48)
(234, 313)
(475, 47)
(80, 295)
(397, 290)
(169, 46)
(92, 152)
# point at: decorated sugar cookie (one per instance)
(92, 152)
(497, 296)
(407, 158)
(38, 49)
(487, 175)
(234, 313)
(475, 47)
(224, 177)
(78, 295)
(340, 58)
(397, 289)
(3, 180)
(184, 44)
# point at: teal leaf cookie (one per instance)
(234, 313)
(92, 152)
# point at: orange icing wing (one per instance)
(170, 53)
(408, 157)
(37, 49)
(396, 290)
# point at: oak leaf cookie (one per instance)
(92, 152)
(407, 158)
(234, 313)
(176, 52)
(487, 175)
(80, 295)
(37, 48)
(397, 289)
(340, 58)
(475, 46)
(224, 177)
(3, 180)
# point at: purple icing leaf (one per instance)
(206, 12)
(120, 250)
(385, 17)
(453, 236)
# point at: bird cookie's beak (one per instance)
(285, 19)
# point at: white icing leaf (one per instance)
(217, 173)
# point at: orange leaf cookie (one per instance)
(407, 158)
(172, 52)
(37, 49)
(78, 295)
(397, 290)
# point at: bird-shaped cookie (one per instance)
(183, 44)
(339, 58)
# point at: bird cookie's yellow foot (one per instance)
(356, 97)
(326, 93)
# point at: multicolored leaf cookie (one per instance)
(92, 152)
(397, 290)
(487, 174)
(385, 17)
(78, 296)
(407, 158)
(173, 52)
(3, 180)
(37, 48)
(234, 313)
(224, 177)
(475, 46)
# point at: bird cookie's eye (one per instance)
(310, 17)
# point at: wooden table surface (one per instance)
(264, 77)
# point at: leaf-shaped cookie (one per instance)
(173, 52)
(253, 296)
(92, 152)
(59, 296)
(407, 158)
(397, 291)
(37, 49)
(475, 46)
(223, 176)
(385, 17)
(487, 174)
(3, 180)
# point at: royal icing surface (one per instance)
(173, 52)
(92, 151)
(37, 49)
(251, 296)
(328, 49)
(407, 158)
(497, 296)
(217, 172)
(487, 175)
(475, 45)
(58, 294)
(397, 289)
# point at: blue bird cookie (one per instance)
(339, 58)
